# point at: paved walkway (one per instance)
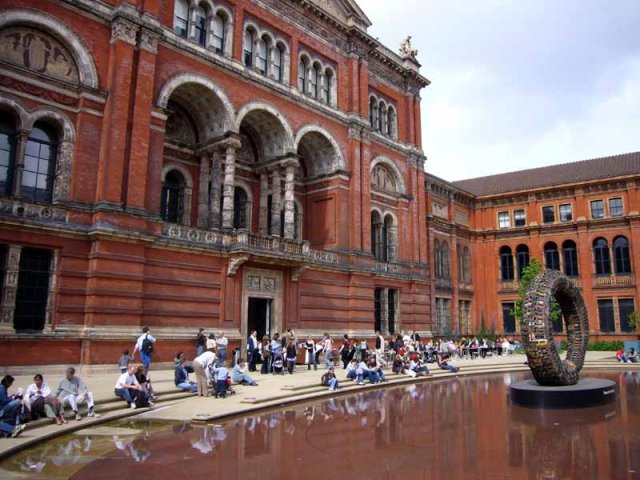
(271, 390)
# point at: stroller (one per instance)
(278, 364)
(228, 387)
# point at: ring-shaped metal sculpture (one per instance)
(537, 330)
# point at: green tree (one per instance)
(528, 274)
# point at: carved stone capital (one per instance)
(235, 263)
(148, 41)
(125, 30)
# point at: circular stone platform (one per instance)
(588, 392)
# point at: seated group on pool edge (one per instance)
(38, 400)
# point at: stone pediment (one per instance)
(345, 11)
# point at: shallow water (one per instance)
(457, 428)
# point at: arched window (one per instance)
(278, 60)
(247, 43)
(376, 235)
(570, 256)
(313, 80)
(200, 25)
(181, 18)
(239, 208)
(522, 257)
(444, 255)
(262, 56)
(621, 256)
(218, 36)
(7, 153)
(601, 256)
(39, 164)
(326, 86)
(302, 75)
(382, 118)
(551, 256)
(391, 120)
(373, 112)
(466, 262)
(506, 264)
(172, 197)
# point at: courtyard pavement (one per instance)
(272, 390)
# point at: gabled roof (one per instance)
(583, 171)
(346, 11)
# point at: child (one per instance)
(220, 382)
(123, 361)
(278, 364)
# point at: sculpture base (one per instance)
(588, 392)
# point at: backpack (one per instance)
(147, 346)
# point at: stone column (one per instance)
(263, 227)
(215, 189)
(10, 287)
(228, 185)
(276, 201)
(21, 146)
(203, 193)
(62, 182)
(392, 243)
(384, 312)
(289, 202)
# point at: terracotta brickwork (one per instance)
(178, 167)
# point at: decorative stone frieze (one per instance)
(193, 235)
(10, 285)
(32, 211)
(62, 181)
(148, 41)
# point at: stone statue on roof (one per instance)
(407, 50)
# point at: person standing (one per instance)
(201, 368)
(327, 348)
(145, 344)
(344, 351)
(221, 343)
(253, 348)
(201, 342)
(310, 346)
(379, 343)
(291, 357)
(266, 355)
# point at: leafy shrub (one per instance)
(605, 346)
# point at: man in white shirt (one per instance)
(222, 343)
(201, 368)
(127, 387)
(144, 345)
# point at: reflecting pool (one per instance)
(445, 429)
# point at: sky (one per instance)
(519, 84)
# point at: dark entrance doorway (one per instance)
(259, 316)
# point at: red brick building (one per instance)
(581, 218)
(238, 165)
(204, 163)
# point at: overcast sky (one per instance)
(519, 84)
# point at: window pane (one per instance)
(597, 209)
(503, 220)
(248, 49)
(548, 215)
(508, 320)
(29, 179)
(615, 207)
(625, 308)
(519, 218)
(570, 259)
(566, 214)
(605, 313)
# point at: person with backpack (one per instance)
(144, 345)
(201, 342)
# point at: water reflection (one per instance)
(433, 430)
